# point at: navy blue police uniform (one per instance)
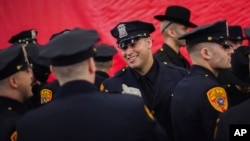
(156, 86)
(11, 110)
(79, 111)
(104, 54)
(174, 14)
(198, 98)
(46, 91)
(41, 72)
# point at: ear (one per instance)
(150, 42)
(52, 70)
(206, 53)
(13, 81)
(91, 65)
(171, 32)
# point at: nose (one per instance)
(230, 50)
(128, 50)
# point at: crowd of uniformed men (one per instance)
(157, 96)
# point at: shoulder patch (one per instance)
(150, 115)
(45, 95)
(217, 97)
(13, 136)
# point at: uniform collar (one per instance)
(171, 52)
(75, 87)
(12, 105)
(151, 74)
(203, 71)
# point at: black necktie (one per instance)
(148, 91)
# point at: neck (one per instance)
(144, 70)
(12, 94)
(106, 70)
(207, 66)
(170, 42)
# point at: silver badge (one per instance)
(122, 30)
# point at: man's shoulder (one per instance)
(173, 69)
(122, 74)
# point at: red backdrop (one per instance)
(50, 16)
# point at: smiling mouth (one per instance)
(132, 58)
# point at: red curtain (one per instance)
(50, 16)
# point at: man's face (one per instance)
(179, 30)
(220, 56)
(235, 44)
(137, 54)
(24, 80)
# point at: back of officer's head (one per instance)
(71, 55)
(104, 56)
(209, 42)
(15, 74)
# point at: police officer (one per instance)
(198, 98)
(235, 36)
(79, 111)
(49, 89)
(144, 76)
(40, 67)
(15, 88)
(41, 72)
(103, 62)
(174, 23)
(236, 80)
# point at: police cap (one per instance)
(26, 37)
(12, 60)
(216, 32)
(104, 53)
(235, 33)
(71, 47)
(129, 32)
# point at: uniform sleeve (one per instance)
(212, 103)
(156, 132)
(7, 126)
(222, 130)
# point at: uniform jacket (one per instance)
(167, 78)
(100, 77)
(10, 112)
(80, 113)
(167, 54)
(193, 114)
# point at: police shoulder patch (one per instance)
(45, 95)
(217, 97)
(13, 136)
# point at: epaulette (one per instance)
(120, 72)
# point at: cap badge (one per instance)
(122, 30)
